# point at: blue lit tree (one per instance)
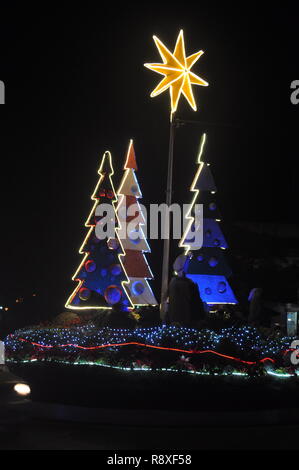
(208, 266)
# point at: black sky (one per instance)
(76, 86)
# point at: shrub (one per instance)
(67, 319)
(148, 316)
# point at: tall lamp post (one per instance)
(166, 247)
(178, 79)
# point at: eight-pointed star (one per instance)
(176, 69)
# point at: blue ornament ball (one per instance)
(113, 244)
(113, 295)
(84, 293)
(115, 269)
(222, 287)
(90, 266)
(213, 262)
(138, 288)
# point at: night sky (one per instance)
(76, 86)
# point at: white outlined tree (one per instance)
(208, 266)
(135, 244)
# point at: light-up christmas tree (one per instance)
(208, 266)
(101, 275)
(134, 241)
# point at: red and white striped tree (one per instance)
(133, 239)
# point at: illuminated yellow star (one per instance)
(176, 69)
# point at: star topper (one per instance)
(176, 69)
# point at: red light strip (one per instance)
(146, 346)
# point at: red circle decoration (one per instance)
(84, 293)
(90, 266)
(113, 295)
(110, 194)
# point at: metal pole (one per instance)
(166, 247)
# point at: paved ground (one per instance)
(89, 387)
(68, 436)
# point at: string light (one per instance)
(189, 217)
(187, 341)
(83, 362)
